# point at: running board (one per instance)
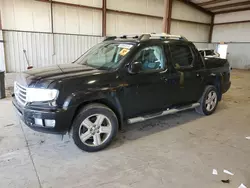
(166, 112)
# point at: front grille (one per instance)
(20, 93)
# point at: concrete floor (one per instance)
(179, 150)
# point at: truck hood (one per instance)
(47, 75)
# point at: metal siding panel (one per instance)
(239, 56)
(94, 3)
(154, 25)
(193, 32)
(72, 20)
(59, 18)
(26, 15)
(41, 16)
(183, 11)
(2, 53)
(119, 24)
(232, 17)
(231, 33)
(15, 49)
(39, 48)
(90, 21)
(8, 17)
(76, 20)
(151, 7)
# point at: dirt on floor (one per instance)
(239, 92)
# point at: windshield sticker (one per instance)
(124, 51)
(127, 46)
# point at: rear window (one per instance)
(210, 52)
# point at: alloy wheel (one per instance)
(211, 101)
(95, 130)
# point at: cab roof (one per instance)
(148, 38)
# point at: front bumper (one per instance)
(63, 118)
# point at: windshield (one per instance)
(105, 55)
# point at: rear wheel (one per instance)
(208, 101)
(94, 127)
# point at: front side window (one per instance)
(152, 58)
(105, 55)
(181, 56)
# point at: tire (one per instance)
(208, 101)
(94, 127)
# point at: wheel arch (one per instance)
(113, 105)
(216, 80)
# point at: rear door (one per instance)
(184, 60)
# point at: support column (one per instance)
(104, 17)
(167, 16)
(211, 29)
(2, 54)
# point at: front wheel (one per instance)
(208, 101)
(94, 127)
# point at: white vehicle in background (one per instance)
(209, 53)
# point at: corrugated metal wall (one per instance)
(120, 24)
(2, 57)
(236, 35)
(40, 49)
(192, 31)
(238, 55)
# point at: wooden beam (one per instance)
(236, 22)
(196, 6)
(231, 5)
(167, 16)
(233, 10)
(211, 29)
(212, 2)
(104, 18)
(52, 17)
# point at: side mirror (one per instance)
(135, 67)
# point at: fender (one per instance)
(216, 79)
(109, 98)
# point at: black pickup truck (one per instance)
(120, 80)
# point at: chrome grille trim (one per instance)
(20, 93)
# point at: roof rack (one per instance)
(147, 36)
(161, 36)
(121, 37)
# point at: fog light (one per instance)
(50, 123)
(38, 121)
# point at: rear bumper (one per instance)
(62, 118)
(225, 87)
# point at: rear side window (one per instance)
(181, 56)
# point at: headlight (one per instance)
(41, 95)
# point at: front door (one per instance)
(145, 91)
